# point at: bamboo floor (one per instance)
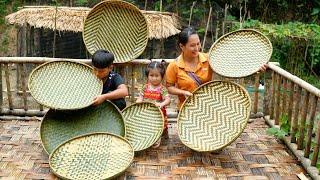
(254, 155)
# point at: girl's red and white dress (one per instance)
(156, 95)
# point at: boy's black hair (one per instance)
(185, 34)
(102, 59)
(156, 65)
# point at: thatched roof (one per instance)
(161, 24)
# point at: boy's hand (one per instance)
(187, 93)
(263, 68)
(98, 100)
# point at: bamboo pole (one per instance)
(273, 77)
(191, 10)
(304, 109)
(1, 94)
(277, 104)
(256, 93)
(22, 112)
(7, 77)
(54, 33)
(310, 127)
(290, 102)
(295, 116)
(205, 34)
(132, 84)
(226, 6)
(284, 96)
(24, 87)
(316, 147)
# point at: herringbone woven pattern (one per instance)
(144, 124)
(94, 156)
(240, 53)
(214, 116)
(118, 27)
(60, 126)
(64, 85)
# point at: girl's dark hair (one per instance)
(102, 59)
(185, 34)
(156, 65)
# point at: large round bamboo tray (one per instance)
(60, 126)
(92, 156)
(144, 124)
(64, 85)
(214, 116)
(118, 27)
(240, 53)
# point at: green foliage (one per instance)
(284, 127)
(279, 133)
(296, 46)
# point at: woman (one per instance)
(191, 68)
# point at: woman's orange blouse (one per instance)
(177, 74)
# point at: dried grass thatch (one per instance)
(161, 24)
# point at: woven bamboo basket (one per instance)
(144, 124)
(240, 53)
(64, 85)
(116, 26)
(60, 126)
(214, 116)
(92, 156)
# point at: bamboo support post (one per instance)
(256, 93)
(316, 147)
(24, 87)
(304, 110)
(7, 77)
(266, 97)
(272, 95)
(22, 112)
(277, 98)
(1, 94)
(294, 121)
(284, 96)
(310, 127)
(291, 91)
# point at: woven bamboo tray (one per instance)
(92, 156)
(144, 124)
(240, 53)
(64, 85)
(214, 116)
(118, 27)
(60, 126)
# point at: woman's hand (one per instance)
(187, 93)
(263, 68)
(98, 100)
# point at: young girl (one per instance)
(155, 92)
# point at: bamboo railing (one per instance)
(285, 95)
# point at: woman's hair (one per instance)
(156, 65)
(102, 59)
(185, 34)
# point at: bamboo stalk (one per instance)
(273, 77)
(22, 112)
(256, 93)
(290, 102)
(205, 34)
(310, 127)
(316, 147)
(7, 77)
(54, 33)
(295, 116)
(1, 94)
(303, 120)
(277, 104)
(24, 87)
(191, 10)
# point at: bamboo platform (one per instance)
(254, 155)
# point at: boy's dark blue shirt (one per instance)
(111, 83)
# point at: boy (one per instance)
(114, 88)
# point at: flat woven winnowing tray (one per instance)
(92, 156)
(240, 53)
(118, 27)
(144, 124)
(214, 116)
(64, 85)
(60, 126)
